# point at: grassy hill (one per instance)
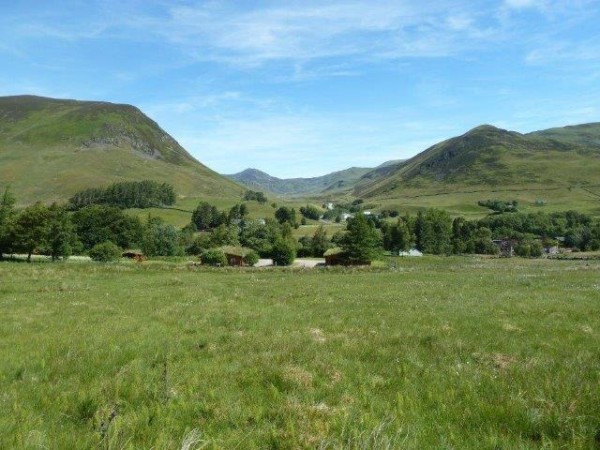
(50, 148)
(587, 134)
(333, 183)
(558, 168)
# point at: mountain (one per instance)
(50, 149)
(487, 156)
(332, 183)
(558, 169)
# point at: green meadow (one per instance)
(429, 353)
(462, 201)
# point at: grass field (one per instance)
(463, 201)
(429, 353)
(181, 213)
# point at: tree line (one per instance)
(126, 194)
(58, 231)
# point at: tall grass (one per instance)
(435, 353)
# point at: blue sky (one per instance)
(303, 88)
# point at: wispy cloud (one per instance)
(254, 36)
(565, 51)
(521, 4)
(316, 31)
(315, 39)
(306, 87)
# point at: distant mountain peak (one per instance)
(339, 181)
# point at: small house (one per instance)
(236, 256)
(337, 257)
(134, 254)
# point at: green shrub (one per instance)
(251, 258)
(199, 244)
(536, 249)
(529, 249)
(105, 252)
(523, 250)
(213, 257)
(283, 253)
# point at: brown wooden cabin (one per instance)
(132, 254)
(235, 255)
(235, 260)
(337, 257)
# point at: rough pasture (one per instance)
(433, 353)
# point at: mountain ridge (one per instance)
(492, 157)
(67, 145)
(334, 182)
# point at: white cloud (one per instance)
(356, 30)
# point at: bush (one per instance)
(283, 253)
(199, 244)
(523, 250)
(105, 252)
(213, 257)
(310, 212)
(529, 249)
(536, 249)
(251, 258)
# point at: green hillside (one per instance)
(332, 183)
(50, 149)
(587, 134)
(556, 169)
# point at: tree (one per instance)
(283, 253)
(482, 242)
(320, 244)
(260, 237)
(397, 237)
(61, 234)
(304, 247)
(161, 239)
(224, 235)
(253, 195)
(95, 224)
(433, 230)
(285, 214)
(310, 212)
(31, 229)
(362, 241)
(7, 215)
(126, 194)
(237, 213)
(199, 244)
(207, 216)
